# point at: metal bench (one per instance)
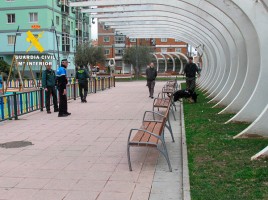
(165, 101)
(151, 134)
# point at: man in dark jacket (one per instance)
(190, 71)
(62, 82)
(82, 76)
(151, 75)
(48, 83)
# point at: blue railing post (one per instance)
(15, 106)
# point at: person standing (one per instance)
(82, 75)
(62, 82)
(151, 75)
(190, 71)
(49, 85)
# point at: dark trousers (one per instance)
(83, 86)
(151, 85)
(190, 84)
(51, 91)
(63, 102)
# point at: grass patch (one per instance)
(220, 166)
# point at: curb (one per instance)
(185, 170)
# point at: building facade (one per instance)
(115, 44)
(42, 27)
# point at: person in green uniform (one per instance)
(82, 75)
(49, 85)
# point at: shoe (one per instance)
(67, 113)
(85, 101)
(152, 97)
(48, 112)
(63, 115)
(56, 110)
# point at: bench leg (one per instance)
(164, 152)
(170, 129)
(128, 157)
(172, 110)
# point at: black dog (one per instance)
(185, 94)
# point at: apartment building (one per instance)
(42, 27)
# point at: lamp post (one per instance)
(17, 34)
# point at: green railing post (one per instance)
(114, 80)
(41, 99)
(15, 106)
(95, 82)
(102, 83)
(75, 90)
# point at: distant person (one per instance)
(49, 85)
(82, 75)
(190, 72)
(151, 75)
(62, 82)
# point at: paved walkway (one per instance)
(83, 157)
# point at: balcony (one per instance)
(65, 9)
(78, 25)
(120, 45)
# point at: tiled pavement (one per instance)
(83, 156)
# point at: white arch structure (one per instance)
(234, 35)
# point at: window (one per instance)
(163, 39)
(177, 40)
(106, 27)
(119, 39)
(119, 52)
(163, 49)
(178, 50)
(33, 17)
(57, 20)
(10, 18)
(106, 39)
(107, 51)
(72, 25)
(132, 39)
(11, 39)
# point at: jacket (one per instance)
(62, 77)
(190, 70)
(48, 78)
(151, 74)
(82, 75)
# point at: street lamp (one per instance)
(17, 34)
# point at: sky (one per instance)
(94, 30)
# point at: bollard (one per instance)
(15, 106)
(114, 80)
(41, 99)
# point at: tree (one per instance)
(138, 56)
(88, 54)
(4, 67)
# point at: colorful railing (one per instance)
(13, 105)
